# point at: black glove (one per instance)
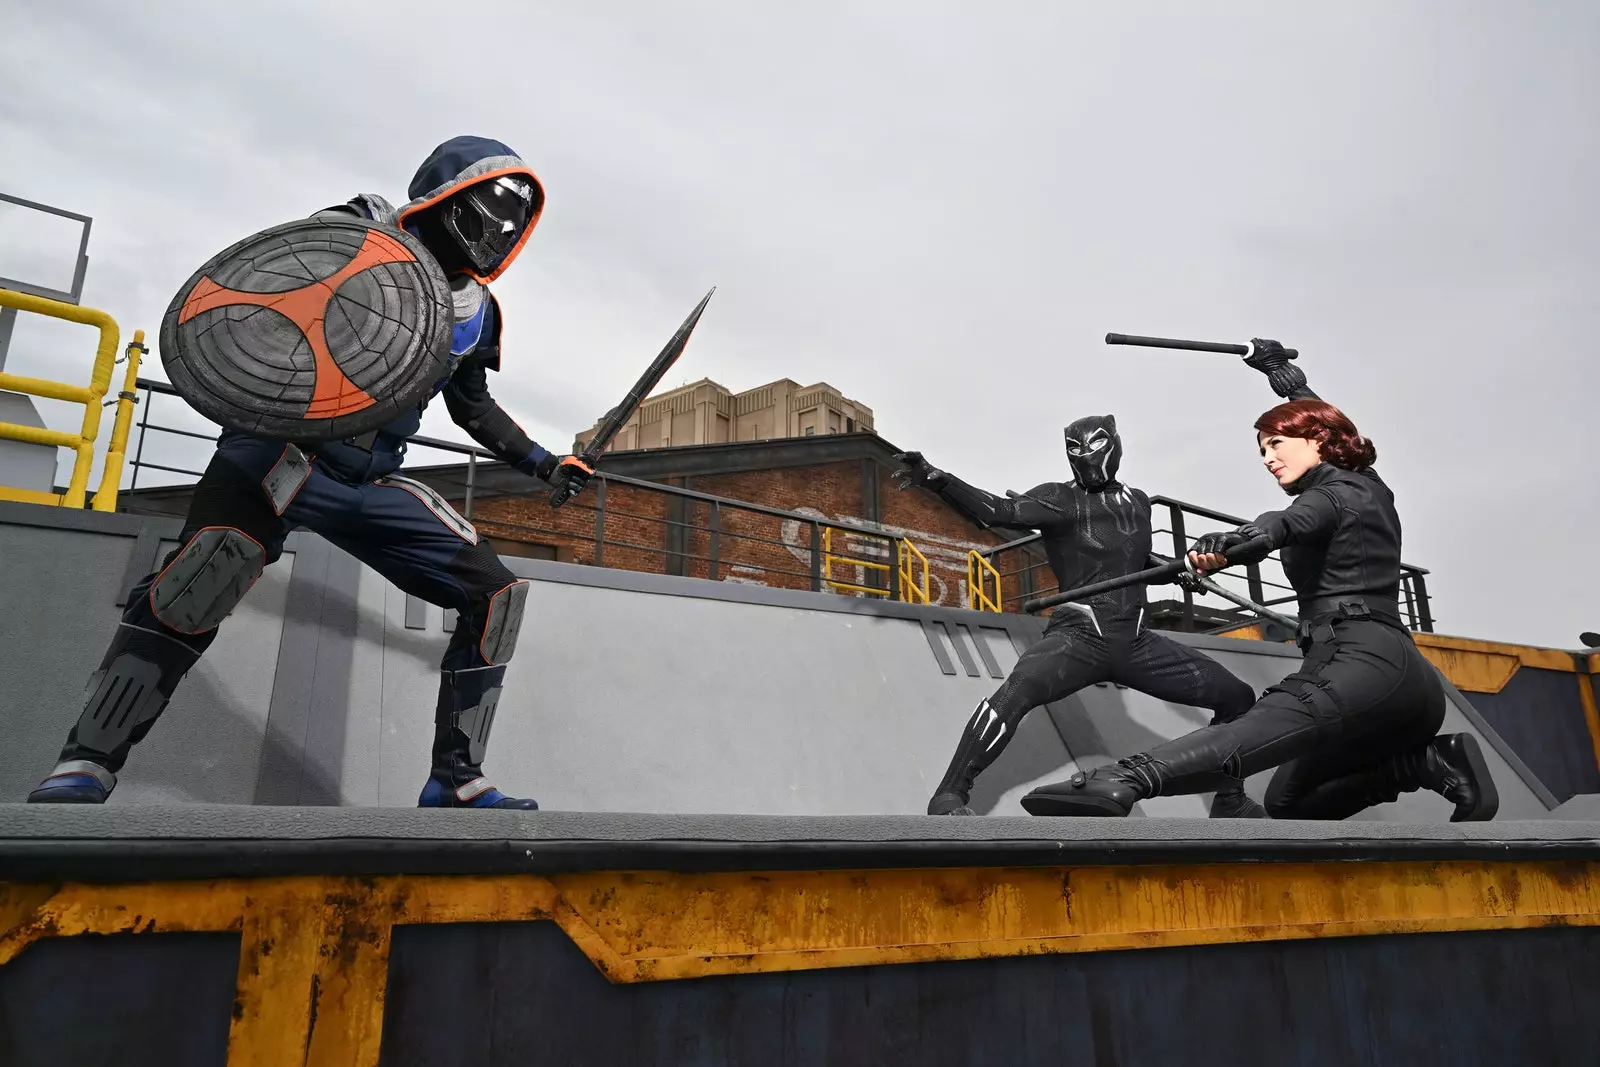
(1270, 359)
(914, 470)
(1191, 581)
(575, 470)
(1219, 543)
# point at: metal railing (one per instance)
(720, 538)
(909, 555)
(704, 535)
(1269, 589)
(979, 571)
(92, 397)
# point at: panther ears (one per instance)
(1111, 421)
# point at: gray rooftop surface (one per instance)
(217, 841)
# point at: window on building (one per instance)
(811, 431)
(849, 425)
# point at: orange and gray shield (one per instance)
(314, 330)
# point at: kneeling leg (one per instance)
(1168, 670)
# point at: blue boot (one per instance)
(75, 782)
(462, 720)
(475, 794)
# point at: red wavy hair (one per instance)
(1337, 439)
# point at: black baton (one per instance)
(1187, 346)
(1149, 576)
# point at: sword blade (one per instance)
(618, 416)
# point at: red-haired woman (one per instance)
(1357, 724)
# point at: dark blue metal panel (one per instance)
(127, 999)
(523, 993)
(1540, 714)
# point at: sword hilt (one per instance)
(561, 477)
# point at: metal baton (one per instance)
(1149, 576)
(1188, 346)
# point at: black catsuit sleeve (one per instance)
(1311, 519)
(986, 509)
(474, 409)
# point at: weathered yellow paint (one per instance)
(1550, 659)
(1591, 712)
(314, 952)
(1253, 632)
(1471, 666)
(1470, 670)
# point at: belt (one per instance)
(1318, 615)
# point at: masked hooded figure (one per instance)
(1091, 528)
(473, 205)
(1094, 450)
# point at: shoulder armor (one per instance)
(366, 206)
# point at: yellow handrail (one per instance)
(105, 499)
(909, 590)
(82, 443)
(829, 558)
(979, 569)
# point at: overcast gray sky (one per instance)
(941, 213)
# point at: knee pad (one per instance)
(503, 623)
(206, 579)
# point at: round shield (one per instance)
(311, 331)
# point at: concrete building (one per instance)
(707, 413)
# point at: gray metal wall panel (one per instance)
(1540, 712)
(208, 746)
(629, 692)
(51, 638)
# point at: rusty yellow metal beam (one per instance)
(1550, 659)
(314, 952)
(1591, 711)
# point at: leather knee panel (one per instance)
(206, 579)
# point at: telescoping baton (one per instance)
(1149, 576)
(1188, 346)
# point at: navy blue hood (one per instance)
(464, 161)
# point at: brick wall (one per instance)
(760, 549)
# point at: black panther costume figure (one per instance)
(1092, 528)
(473, 204)
(1357, 724)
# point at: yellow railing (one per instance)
(82, 443)
(829, 558)
(979, 571)
(909, 589)
(905, 554)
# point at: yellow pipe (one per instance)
(910, 592)
(56, 309)
(117, 450)
(21, 383)
(37, 435)
(105, 360)
(29, 496)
